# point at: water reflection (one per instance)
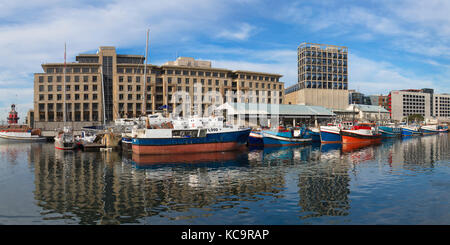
(294, 184)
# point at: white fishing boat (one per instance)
(64, 140)
(192, 135)
(28, 136)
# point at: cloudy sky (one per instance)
(392, 44)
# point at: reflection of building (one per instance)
(423, 151)
(92, 188)
(325, 191)
(322, 77)
(107, 86)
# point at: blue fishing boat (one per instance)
(330, 134)
(390, 131)
(429, 129)
(285, 137)
(411, 130)
(255, 138)
(313, 133)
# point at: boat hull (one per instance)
(255, 139)
(429, 130)
(410, 132)
(352, 137)
(315, 136)
(277, 140)
(332, 137)
(213, 142)
(21, 139)
(389, 132)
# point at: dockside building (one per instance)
(101, 87)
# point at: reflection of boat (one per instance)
(361, 133)
(429, 129)
(287, 153)
(330, 134)
(189, 158)
(359, 154)
(285, 137)
(356, 146)
(408, 130)
(330, 147)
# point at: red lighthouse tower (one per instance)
(13, 116)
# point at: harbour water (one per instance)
(401, 181)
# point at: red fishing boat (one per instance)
(361, 133)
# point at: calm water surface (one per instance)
(402, 181)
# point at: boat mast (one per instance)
(64, 86)
(144, 104)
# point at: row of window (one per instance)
(413, 96)
(323, 85)
(59, 106)
(323, 69)
(323, 61)
(58, 79)
(59, 97)
(325, 77)
(52, 70)
(324, 54)
(68, 88)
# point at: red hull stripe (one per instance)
(349, 139)
(189, 148)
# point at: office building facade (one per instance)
(322, 76)
(99, 88)
(425, 102)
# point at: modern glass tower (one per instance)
(322, 76)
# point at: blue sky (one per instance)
(393, 44)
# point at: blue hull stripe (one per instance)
(330, 137)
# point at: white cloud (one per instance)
(377, 77)
(243, 32)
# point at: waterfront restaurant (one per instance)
(258, 114)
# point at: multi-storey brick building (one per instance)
(105, 86)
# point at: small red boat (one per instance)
(361, 133)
